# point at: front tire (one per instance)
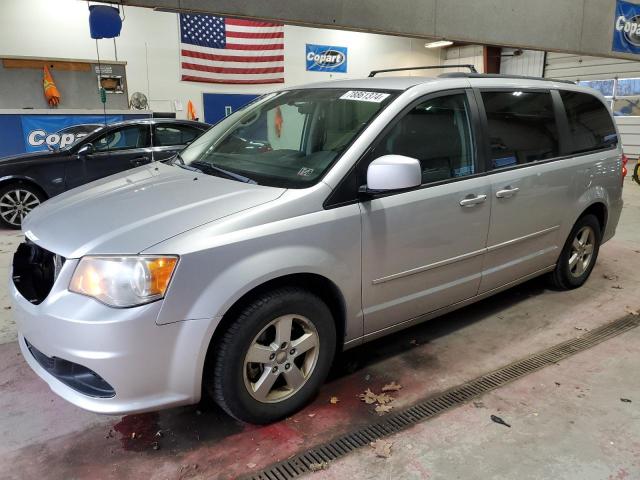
(579, 254)
(16, 201)
(272, 360)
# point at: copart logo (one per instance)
(327, 59)
(630, 28)
(38, 138)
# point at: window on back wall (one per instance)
(622, 95)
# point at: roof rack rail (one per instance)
(499, 75)
(471, 68)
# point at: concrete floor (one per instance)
(567, 420)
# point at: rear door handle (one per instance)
(507, 192)
(471, 201)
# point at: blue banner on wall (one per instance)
(41, 131)
(20, 133)
(326, 58)
(626, 28)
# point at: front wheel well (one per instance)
(316, 284)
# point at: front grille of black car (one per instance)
(35, 270)
(73, 375)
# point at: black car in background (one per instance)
(28, 179)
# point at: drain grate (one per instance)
(437, 404)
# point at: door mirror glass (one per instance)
(393, 172)
(86, 149)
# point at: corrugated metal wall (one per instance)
(529, 63)
(576, 67)
(469, 54)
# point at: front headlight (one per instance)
(123, 281)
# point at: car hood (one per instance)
(131, 211)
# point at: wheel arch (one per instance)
(19, 179)
(317, 284)
(600, 211)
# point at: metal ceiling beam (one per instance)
(573, 26)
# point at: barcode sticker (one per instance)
(363, 96)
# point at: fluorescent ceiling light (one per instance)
(438, 44)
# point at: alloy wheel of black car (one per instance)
(16, 201)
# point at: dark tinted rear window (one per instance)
(522, 127)
(590, 124)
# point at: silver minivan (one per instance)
(313, 220)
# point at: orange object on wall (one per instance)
(51, 92)
(278, 122)
(191, 111)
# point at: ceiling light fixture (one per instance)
(438, 44)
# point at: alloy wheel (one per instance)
(582, 251)
(16, 204)
(281, 358)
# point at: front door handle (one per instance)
(471, 201)
(507, 192)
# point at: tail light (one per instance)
(625, 160)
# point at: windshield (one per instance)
(287, 139)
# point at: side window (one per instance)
(522, 127)
(438, 133)
(171, 135)
(590, 124)
(126, 138)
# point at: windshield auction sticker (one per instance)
(363, 96)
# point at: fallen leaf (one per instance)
(625, 400)
(251, 465)
(368, 397)
(630, 311)
(312, 415)
(479, 405)
(334, 400)
(382, 448)
(498, 420)
(391, 387)
(133, 435)
(7, 308)
(382, 409)
(610, 276)
(617, 287)
(383, 399)
(314, 467)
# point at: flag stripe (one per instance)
(192, 78)
(230, 58)
(235, 28)
(250, 23)
(255, 34)
(226, 64)
(233, 76)
(240, 46)
(224, 51)
(206, 68)
(254, 41)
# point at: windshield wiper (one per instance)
(207, 167)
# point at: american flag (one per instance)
(227, 50)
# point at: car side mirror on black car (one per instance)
(85, 150)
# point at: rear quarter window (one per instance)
(590, 124)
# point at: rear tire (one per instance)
(636, 172)
(273, 358)
(16, 201)
(578, 255)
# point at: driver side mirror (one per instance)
(85, 150)
(393, 172)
